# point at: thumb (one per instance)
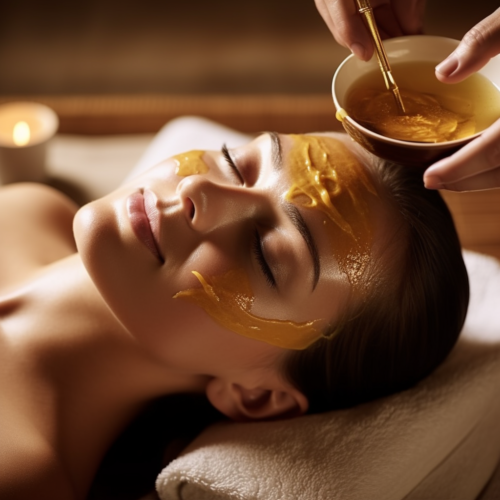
(477, 47)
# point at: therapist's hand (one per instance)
(474, 167)
(477, 165)
(394, 18)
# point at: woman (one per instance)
(292, 274)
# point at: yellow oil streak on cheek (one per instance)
(326, 176)
(190, 163)
(228, 299)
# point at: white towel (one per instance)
(438, 440)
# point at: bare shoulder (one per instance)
(35, 229)
(29, 468)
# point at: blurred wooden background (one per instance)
(477, 218)
(124, 66)
(61, 47)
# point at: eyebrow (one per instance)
(276, 153)
(293, 212)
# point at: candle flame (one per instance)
(21, 134)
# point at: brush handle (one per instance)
(365, 9)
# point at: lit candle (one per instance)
(21, 134)
(25, 129)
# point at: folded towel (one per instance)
(440, 439)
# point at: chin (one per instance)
(95, 231)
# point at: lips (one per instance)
(145, 220)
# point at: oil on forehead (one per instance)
(327, 176)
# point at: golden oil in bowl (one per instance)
(435, 112)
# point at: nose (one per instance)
(210, 205)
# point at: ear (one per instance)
(244, 403)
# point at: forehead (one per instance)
(327, 177)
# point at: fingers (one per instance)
(346, 25)
(477, 47)
(476, 166)
(394, 18)
(410, 16)
(485, 180)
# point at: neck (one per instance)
(93, 375)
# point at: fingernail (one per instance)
(358, 50)
(433, 182)
(448, 66)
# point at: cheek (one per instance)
(140, 292)
(191, 341)
(221, 351)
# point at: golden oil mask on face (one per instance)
(190, 163)
(325, 176)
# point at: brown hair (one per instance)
(414, 312)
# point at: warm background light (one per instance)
(21, 134)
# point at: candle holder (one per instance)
(25, 129)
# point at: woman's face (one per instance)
(223, 212)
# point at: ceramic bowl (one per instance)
(404, 49)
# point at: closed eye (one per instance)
(232, 164)
(261, 259)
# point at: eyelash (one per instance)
(232, 165)
(259, 255)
